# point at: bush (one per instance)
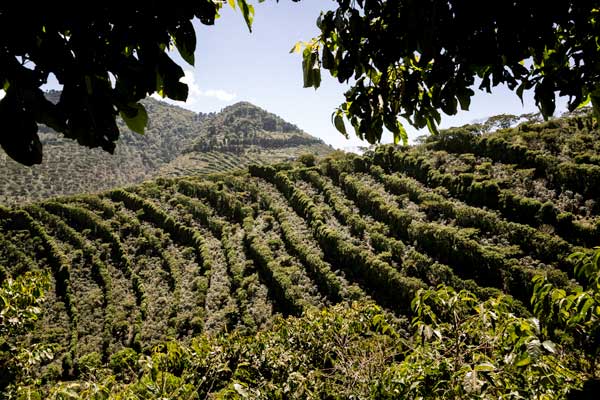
(308, 159)
(89, 364)
(124, 363)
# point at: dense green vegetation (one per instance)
(204, 266)
(169, 147)
(241, 135)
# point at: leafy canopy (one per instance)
(407, 58)
(107, 58)
(414, 58)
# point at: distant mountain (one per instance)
(177, 142)
(242, 125)
(242, 134)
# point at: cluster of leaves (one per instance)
(459, 347)
(412, 59)
(106, 58)
(575, 312)
(467, 348)
(20, 307)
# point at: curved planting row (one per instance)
(411, 261)
(220, 308)
(99, 270)
(252, 294)
(546, 247)
(240, 275)
(488, 193)
(387, 284)
(176, 287)
(488, 265)
(67, 234)
(298, 239)
(50, 252)
(83, 219)
(570, 175)
(157, 216)
(14, 260)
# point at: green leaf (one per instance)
(432, 126)
(247, 12)
(584, 103)
(338, 121)
(403, 134)
(88, 85)
(135, 117)
(520, 91)
(308, 61)
(596, 106)
(523, 361)
(297, 48)
(464, 99)
(485, 367)
(185, 41)
(328, 60)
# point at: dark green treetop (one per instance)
(106, 56)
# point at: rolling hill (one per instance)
(174, 258)
(176, 142)
(240, 135)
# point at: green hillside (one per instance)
(240, 135)
(165, 149)
(175, 258)
(69, 168)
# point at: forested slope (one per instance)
(176, 142)
(240, 135)
(176, 257)
(69, 168)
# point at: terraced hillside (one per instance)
(167, 148)
(69, 168)
(240, 135)
(175, 257)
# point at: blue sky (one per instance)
(234, 65)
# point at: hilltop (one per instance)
(240, 135)
(176, 142)
(175, 258)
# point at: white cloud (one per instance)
(219, 94)
(195, 92)
(196, 95)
